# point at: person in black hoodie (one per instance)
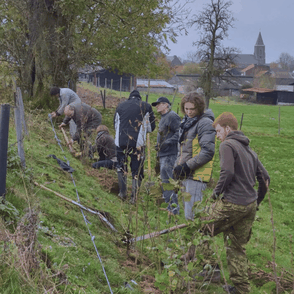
(133, 119)
(233, 213)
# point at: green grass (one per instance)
(64, 237)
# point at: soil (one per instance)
(95, 99)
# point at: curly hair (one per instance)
(194, 98)
(226, 119)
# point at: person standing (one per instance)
(133, 119)
(195, 150)
(167, 147)
(233, 213)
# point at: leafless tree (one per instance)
(286, 61)
(214, 23)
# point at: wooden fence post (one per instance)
(279, 119)
(241, 121)
(105, 86)
(120, 86)
(19, 133)
(111, 83)
(4, 130)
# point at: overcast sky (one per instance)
(273, 18)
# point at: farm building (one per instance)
(105, 78)
(156, 86)
(269, 96)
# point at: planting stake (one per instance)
(67, 141)
(158, 233)
(102, 218)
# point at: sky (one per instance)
(273, 18)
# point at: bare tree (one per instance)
(214, 23)
(286, 61)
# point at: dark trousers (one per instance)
(137, 160)
(107, 163)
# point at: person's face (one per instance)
(190, 109)
(221, 132)
(162, 107)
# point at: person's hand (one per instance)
(156, 148)
(53, 114)
(181, 170)
(62, 125)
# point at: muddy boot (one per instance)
(135, 187)
(122, 183)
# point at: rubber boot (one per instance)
(122, 183)
(135, 187)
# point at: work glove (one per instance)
(181, 170)
(156, 147)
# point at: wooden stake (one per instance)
(67, 141)
(156, 234)
(91, 210)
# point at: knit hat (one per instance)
(135, 93)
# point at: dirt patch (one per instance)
(95, 99)
(107, 179)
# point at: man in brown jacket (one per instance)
(233, 213)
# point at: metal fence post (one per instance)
(4, 129)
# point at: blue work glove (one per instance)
(181, 170)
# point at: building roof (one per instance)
(259, 90)
(247, 68)
(261, 73)
(259, 41)
(153, 84)
(245, 59)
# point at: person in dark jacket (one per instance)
(196, 149)
(106, 149)
(86, 118)
(233, 213)
(167, 147)
(133, 119)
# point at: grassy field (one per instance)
(63, 240)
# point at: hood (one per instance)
(208, 113)
(238, 136)
(135, 94)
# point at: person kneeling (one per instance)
(106, 149)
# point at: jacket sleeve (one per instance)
(174, 126)
(66, 120)
(151, 118)
(64, 102)
(206, 139)
(262, 176)
(227, 165)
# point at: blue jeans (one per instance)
(166, 167)
(166, 172)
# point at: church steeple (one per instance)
(259, 50)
